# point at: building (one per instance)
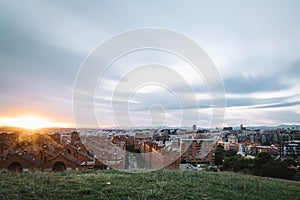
(194, 127)
(7, 142)
(43, 152)
(290, 149)
(156, 156)
(197, 150)
(269, 149)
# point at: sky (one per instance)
(255, 46)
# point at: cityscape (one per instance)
(153, 100)
(133, 149)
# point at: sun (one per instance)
(32, 122)
(29, 122)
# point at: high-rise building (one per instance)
(197, 150)
(194, 127)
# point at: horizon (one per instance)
(254, 47)
(293, 126)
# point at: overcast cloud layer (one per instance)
(255, 45)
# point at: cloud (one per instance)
(280, 105)
(244, 85)
(255, 45)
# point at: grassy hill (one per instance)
(152, 185)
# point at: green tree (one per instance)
(265, 165)
(259, 161)
(241, 164)
(277, 169)
(219, 155)
(230, 153)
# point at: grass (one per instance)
(162, 184)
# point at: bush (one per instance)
(212, 169)
(277, 169)
(265, 165)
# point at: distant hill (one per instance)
(283, 126)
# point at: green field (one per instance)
(152, 185)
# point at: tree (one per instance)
(230, 153)
(219, 155)
(241, 164)
(289, 162)
(277, 169)
(237, 163)
(261, 159)
(265, 165)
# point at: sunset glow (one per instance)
(30, 122)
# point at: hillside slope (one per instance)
(152, 185)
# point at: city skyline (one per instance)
(254, 45)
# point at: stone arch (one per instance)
(15, 166)
(59, 166)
